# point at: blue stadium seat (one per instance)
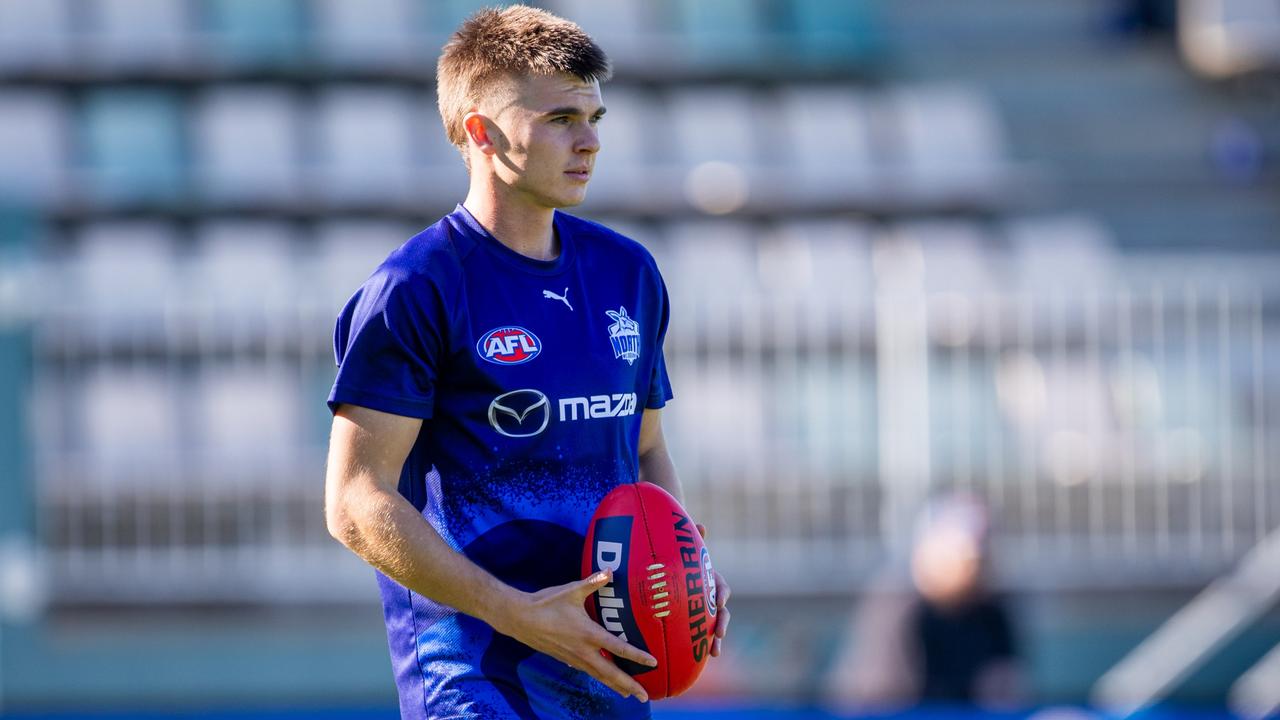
(715, 124)
(249, 420)
(121, 278)
(246, 272)
(370, 33)
(367, 137)
(123, 454)
(719, 146)
(827, 134)
(133, 140)
(34, 34)
(720, 34)
(834, 32)
(246, 143)
(138, 33)
(33, 152)
(953, 144)
(256, 32)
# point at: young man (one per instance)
(498, 375)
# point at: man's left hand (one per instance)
(722, 601)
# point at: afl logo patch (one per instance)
(509, 345)
(709, 581)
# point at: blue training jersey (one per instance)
(531, 378)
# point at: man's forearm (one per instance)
(388, 533)
(656, 467)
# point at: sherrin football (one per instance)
(662, 598)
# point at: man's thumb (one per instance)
(596, 581)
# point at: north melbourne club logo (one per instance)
(624, 335)
(509, 345)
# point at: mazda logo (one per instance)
(520, 413)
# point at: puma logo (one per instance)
(562, 298)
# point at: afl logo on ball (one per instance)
(509, 345)
(709, 581)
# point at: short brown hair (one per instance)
(516, 40)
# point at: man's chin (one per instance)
(569, 201)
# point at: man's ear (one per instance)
(475, 125)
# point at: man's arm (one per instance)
(365, 511)
(656, 467)
(655, 462)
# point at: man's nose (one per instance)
(588, 140)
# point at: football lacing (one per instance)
(657, 581)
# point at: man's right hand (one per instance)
(554, 621)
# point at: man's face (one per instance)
(546, 141)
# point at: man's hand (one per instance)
(555, 621)
(722, 601)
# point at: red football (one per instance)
(662, 598)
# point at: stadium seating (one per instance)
(252, 34)
(119, 283)
(366, 145)
(133, 141)
(242, 281)
(138, 34)
(830, 141)
(249, 146)
(376, 34)
(124, 458)
(34, 35)
(34, 162)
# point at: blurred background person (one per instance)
(947, 639)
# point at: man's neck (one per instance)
(525, 229)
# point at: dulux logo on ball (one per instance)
(509, 345)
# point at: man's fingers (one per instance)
(722, 623)
(619, 647)
(723, 591)
(609, 674)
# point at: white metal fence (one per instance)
(828, 381)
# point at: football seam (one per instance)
(653, 555)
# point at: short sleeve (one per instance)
(659, 383)
(387, 342)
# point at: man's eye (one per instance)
(596, 119)
(563, 120)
